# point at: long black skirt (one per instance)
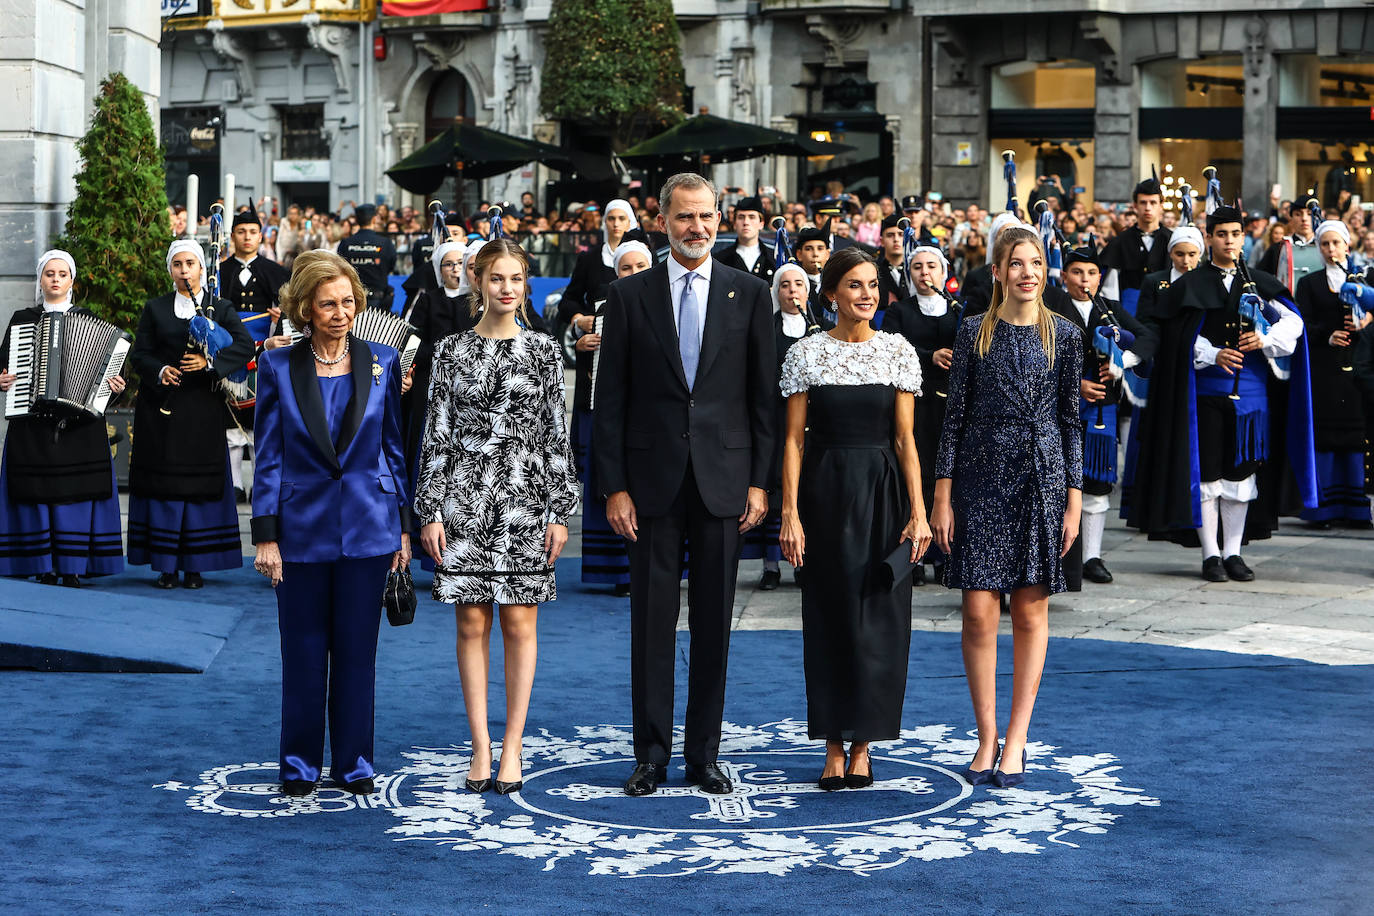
(856, 626)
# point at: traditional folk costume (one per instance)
(1296, 257)
(929, 324)
(1337, 406)
(181, 504)
(59, 509)
(252, 286)
(1115, 338)
(757, 259)
(761, 541)
(1210, 443)
(1132, 254)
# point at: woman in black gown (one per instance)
(929, 325)
(1337, 408)
(1009, 487)
(851, 497)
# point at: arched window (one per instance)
(449, 98)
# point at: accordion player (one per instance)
(59, 510)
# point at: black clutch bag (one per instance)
(399, 598)
(897, 567)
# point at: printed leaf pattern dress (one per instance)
(496, 466)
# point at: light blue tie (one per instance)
(688, 343)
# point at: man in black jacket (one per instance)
(683, 442)
(748, 253)
(893, 284)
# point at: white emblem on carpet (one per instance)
(572, 810)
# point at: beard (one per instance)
(691, 250)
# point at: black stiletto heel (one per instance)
(983, 777)
(479, 785)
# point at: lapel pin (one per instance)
(376, 371)
(730, 295)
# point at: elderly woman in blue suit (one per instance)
(329, 518)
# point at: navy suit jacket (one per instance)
(322, 500)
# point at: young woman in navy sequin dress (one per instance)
(1009, 478)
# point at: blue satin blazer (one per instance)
(322, 500)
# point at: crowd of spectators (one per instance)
(554, 237)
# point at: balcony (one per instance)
(808, 7)
(235, 13)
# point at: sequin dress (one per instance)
(852, 503)
(1013, 447)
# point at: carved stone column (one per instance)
(405, 134)
(232, 48)
(336, 41)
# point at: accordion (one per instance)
(376, 326)
(64, 363)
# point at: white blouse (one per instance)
(883, 359)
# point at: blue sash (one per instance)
(1252, 410)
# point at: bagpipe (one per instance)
(1055, 244)
(1357, 300)
(783, 254)
(1009, 174)
(203, 334)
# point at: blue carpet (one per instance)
(1161, 779)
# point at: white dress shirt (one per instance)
(749, 254)
(701, 286)
(1282, 339)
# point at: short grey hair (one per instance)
(689, 181)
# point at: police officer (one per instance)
(372, 255)
(748, 253)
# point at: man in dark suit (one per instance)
(683, 441)
(748, 253)
(372, 255)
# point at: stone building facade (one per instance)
(53, 56)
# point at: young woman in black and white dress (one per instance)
(496, 488)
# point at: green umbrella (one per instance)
(471, 152)
(724, 141)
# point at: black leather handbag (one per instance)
(399, 598)
(897, 567)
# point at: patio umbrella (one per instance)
(724, 140)
(471, 152)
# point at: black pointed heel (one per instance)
(1010, 780)
(506, 788)
(860, 781)
(479, 785)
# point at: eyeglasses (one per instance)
(450, 265)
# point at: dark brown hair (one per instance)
(841, 263)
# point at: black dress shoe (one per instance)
(1095, 570)
(711, 778)
(360, 786)
(860, 780)
(772, 578)
(1212, 570)
(47, 578)
(167, 580)
(622, 591)
(645, 779)
(1236, 569)
(297, 788)
(72, 582)
(831, 783)
(194, 580)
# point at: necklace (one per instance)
(330, 362)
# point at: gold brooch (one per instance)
(376, 371)
(730, 295)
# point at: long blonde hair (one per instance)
(1007, 240)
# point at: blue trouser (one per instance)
(329, 614)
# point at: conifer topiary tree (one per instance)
(117, 227)
(617, 63)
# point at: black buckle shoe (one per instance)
(1212, 570)
(1095, 570)
(47, 578)
(710, 778)
(645, 779)
(1235, 568)
(772, 578)
(169, 580)
(72, 582)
